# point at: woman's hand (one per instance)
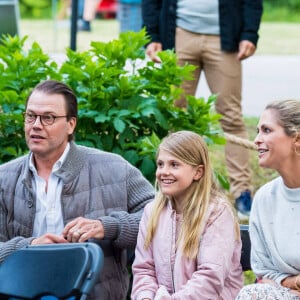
(293, 283)
(295, 292)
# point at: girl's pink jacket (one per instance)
(160, 272)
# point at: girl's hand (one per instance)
(49, 238)
(162, 293)
(266, 280)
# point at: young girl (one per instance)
(188, 243)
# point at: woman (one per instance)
(275, 215)
(188, 243)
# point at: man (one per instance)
(129, 15)
(214, 36)
(61, 192)
(87, 10)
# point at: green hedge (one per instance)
(289, 4)
(122, 109)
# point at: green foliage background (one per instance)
(274, 10)
(281, 10)
(125, 103)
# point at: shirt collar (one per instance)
(57, 164)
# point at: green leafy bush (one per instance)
(125, 102)
(289, 4)
(281, 11)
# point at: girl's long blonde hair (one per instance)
(190, 148)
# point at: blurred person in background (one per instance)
(87, 10)
(129, 15)
(214, 36)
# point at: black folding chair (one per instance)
(9, 17)
(246, 247)
(59, 270)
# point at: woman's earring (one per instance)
(296, 152)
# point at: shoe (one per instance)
(243, 205)
(84, 26)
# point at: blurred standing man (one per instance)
(62, 192)
(215, 36)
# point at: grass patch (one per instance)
(54, 36)
(279, 38)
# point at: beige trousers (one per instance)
(224, 78)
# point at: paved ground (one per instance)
(265, 78)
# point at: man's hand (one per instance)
(152, 50)
(82, 229)
(246, 49)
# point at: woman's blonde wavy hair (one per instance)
(288, 115)
(190, 148)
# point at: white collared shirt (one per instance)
(48, 216)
